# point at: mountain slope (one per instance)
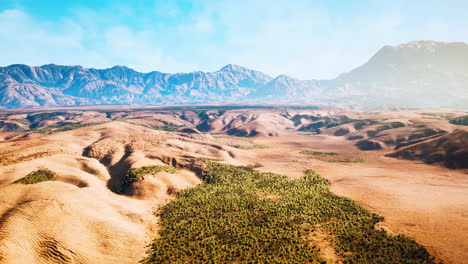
(50, 85)
(285, 88)
(419, 73)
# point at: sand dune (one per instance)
(75, 219)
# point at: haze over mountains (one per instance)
(419, 74)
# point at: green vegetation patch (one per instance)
(318, 153)
(133, 175)
(462, 120)
(242, 216)
(37, 176)
(163, 127)
(249, 147)
(343, 160)
(331, 157)
(167, 127)
(207, 159)
(38, 117)
(55, 129)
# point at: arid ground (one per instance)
(426, 202)
(408, 165)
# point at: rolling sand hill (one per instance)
(375, 130)
(86, 216)
(77, 218)
(450, 150)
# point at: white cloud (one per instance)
(29, 41)
(25, 40)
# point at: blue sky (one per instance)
(304, 39)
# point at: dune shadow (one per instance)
(117, 170)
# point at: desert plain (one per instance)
(408, 165)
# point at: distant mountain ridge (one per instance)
(49, 85)
(419, 73)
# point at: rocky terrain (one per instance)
(418, 74)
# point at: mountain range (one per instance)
(415, 74)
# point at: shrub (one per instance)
(318, 153)
(331, 157)
(37, 176)
(207, 159)
(227, 219)
(249, 147)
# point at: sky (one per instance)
(305, 39)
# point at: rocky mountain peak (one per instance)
(233, 68)
(285, 78)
